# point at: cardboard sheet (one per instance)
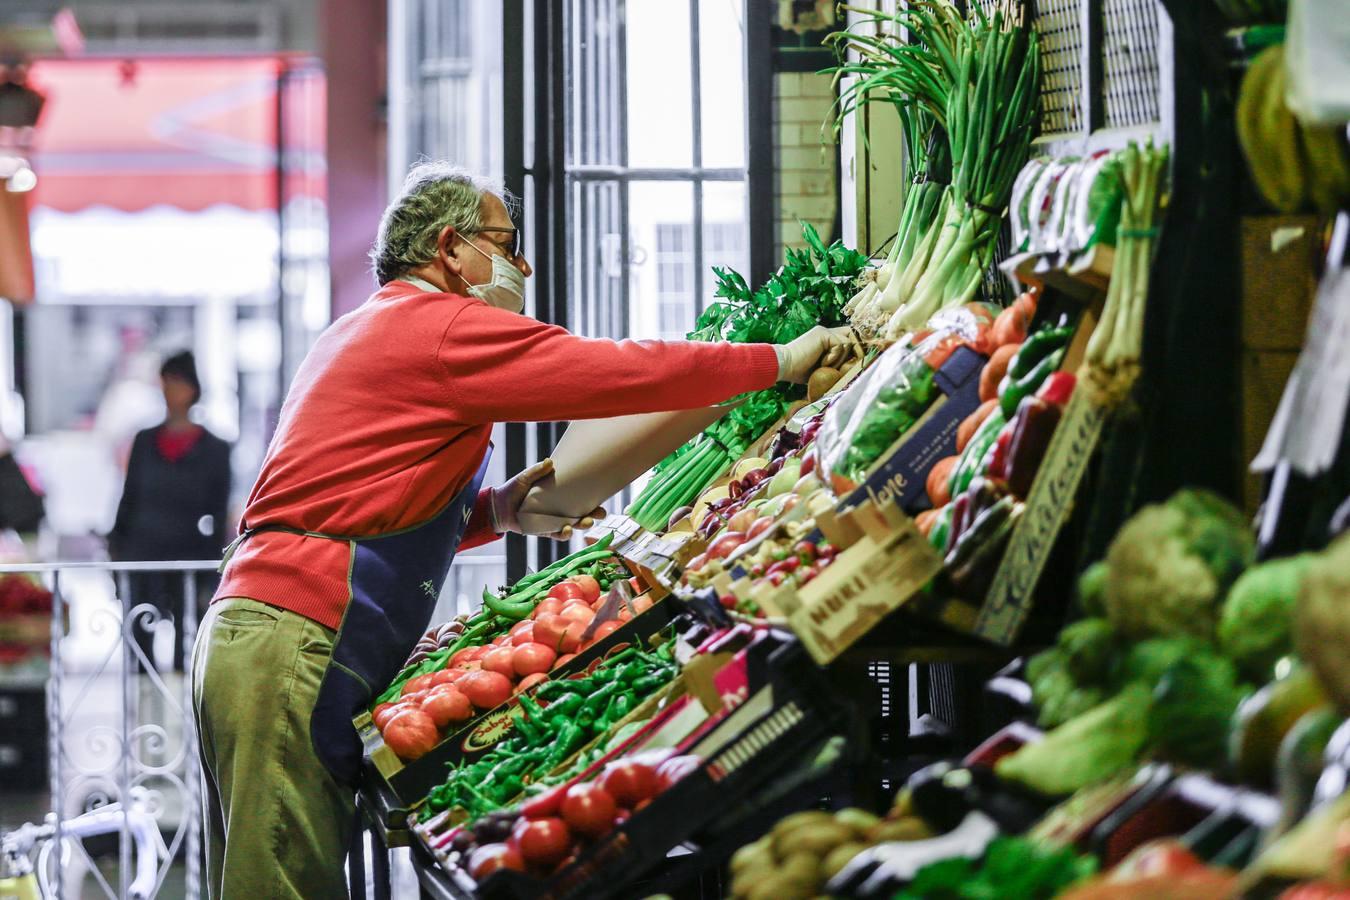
(596, 458)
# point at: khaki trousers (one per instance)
(277, 824)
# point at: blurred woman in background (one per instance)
(173, 505)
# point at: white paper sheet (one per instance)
(596, 458)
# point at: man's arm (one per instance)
(503, 367)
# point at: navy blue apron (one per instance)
(395, 580)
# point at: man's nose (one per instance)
(523, 264)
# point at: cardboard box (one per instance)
(868, 580)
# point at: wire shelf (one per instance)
(1130, 62)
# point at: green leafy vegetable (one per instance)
(1011, 867)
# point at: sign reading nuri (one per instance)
(1048, 507)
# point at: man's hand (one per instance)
(506, 500)
(820, 346)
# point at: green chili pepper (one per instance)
(1028, 384)
(1036, 348)
(619, 707)
(648, 683)
(595, 703)
(967, 467)
(570, 732)
(563, 708)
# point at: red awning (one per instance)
(189, 133)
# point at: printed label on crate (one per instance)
(900, 478)
(491, 729)
(1049, 506)
(867, 582)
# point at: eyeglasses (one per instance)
(511, 249)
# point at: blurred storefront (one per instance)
(179, 204)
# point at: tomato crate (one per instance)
(409, 782)
(800, 709)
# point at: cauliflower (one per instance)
(1256, 621)
(1322, 620)
(1171, 564)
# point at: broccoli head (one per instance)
(1257, 619)
(1193, 704)
(1091, 587)
(1172, 563)
(1089, 647)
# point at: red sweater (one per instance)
(390, 414)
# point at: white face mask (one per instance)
(506, 289)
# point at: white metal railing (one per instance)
(120, 725)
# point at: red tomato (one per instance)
(567, 590)
(485, 690)
(549, 628)
(530, 681)
(446, 705)
(386, 711)
(547, 606)
(589, 809)
(629, 783)
(499, 660)
(520, 626)
(445, 676)
(413, 685)
(558, 633)
(411, 734)
(578, 612)
(636, 584)
(675, 768)
(642, 604)
(542, 842)
(414, 698)
(625, 615)
(491, 857)
(563, 660)
(590, 588)
(469, 666)
(523, 636)
(544, 805)
(468, 654)
(529, 659)
(605, 629)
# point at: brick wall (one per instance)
(804, 169)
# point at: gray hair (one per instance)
(435, 194)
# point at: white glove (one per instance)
(506, 500)
(820, 346)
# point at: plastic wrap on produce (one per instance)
(896, 391)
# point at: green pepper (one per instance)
(563, 708)
(968, 466)
(596, 702)
(570, 732)
(1026, 385)
(648, 683)
(619, 707)
(511, 788)
(631, 672)
(1036, 348)
(937, 538)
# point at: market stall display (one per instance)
(1174, 723)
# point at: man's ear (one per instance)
(447, 251)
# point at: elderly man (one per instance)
(370, 484)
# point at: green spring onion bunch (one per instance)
(967, 92)
(811, 288)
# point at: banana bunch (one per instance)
(1294, 165)
(1244, 12)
